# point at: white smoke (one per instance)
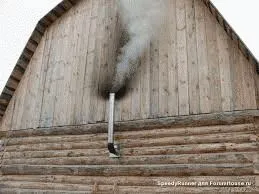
(142, 19)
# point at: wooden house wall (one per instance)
(192, 68)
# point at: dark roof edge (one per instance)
(29, 49)
(57, 12)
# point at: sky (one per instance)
(18, 19)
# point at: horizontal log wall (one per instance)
(74, 159)
(194, 67)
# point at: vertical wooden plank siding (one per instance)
(193, 67)
(73, 63)
(213, 62)
(242, 79)
(20, 101)
(100, 14)
(145, 84)
(225, 76)
(193, 70)
(33, 99)
(126, 104)
(102, 55)
(70, 51)
(154, 80)
(205, 104)
(172, 63)
(43, 75)
(86, 106)
(62, 70)
(182, 58)
(163, 72)
(81, 54)
(135, 96)
(47, 110)
(249, 85)
(257, 91)
(136, 93)
(237, 81)
(28, 94)
(256, 80)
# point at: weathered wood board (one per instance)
(193, 67)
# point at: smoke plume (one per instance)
(142, 19)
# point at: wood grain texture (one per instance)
(173, 100)
(62, 70)
(114, 188)
(34, 93)
(132, 170)
(87, 108)
(20, 101)
(122, 181)
(256, 79)
(154, 80)
(213, 63)
(153, 133)
(220, 158)
(193, 67)
(115, 41)
(73, 65)
(47, 109)
(102, 54)
(178, 121)
(145, 84)
(226, 118)
(165, 150)
(193, 70)
(224, 66)
(99, 12)
(181, 51)
(205, 100)
(75, 159)
(136, 94)
(80, 59)
(236, 70)
(7, 122)
(163, 72)
(249, 74)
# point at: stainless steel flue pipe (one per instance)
(113, 149)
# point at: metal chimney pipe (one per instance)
(111, 117)
(111, 146)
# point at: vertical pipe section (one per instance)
(111, 125)
(111, 117)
